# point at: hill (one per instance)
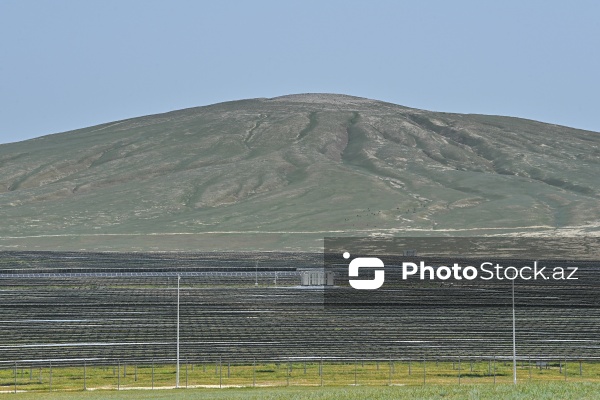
(282, 173)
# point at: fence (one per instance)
(225, 372)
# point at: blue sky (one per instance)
(71, 64)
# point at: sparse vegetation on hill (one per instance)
(266, 174)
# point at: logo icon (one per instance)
(365, 262)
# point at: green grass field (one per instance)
(538, 391)
(383, 380)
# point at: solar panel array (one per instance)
(109, 306)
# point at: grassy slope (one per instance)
(310, 165)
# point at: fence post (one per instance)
(580, 369)
(254, 372)
(15, 377)
(494, 370)
(135, 373)
(50, 376)
(424, 370)
(529, 367)
(287, 373)
(84, 376)
(220, 373)
(153, 373)
(321, 371)
(119, 375)
(459, 370)
(355, 367)
(560, 366)
(390, 377)
(186, 373)
(409, 371)
(565, 369)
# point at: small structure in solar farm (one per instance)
(317, 278)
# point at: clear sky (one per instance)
(71, 64)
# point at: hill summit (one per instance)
(282, 173)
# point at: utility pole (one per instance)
(514, 335)
(177, 368)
